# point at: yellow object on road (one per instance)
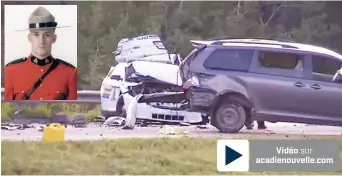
(54, 132)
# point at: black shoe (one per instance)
(261, 125)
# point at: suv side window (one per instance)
(280, 60)
(229, 59)
(280, 63)
(324, 68)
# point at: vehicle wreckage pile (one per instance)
(146, 86)
(145, 68)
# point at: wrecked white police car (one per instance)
(155, 71)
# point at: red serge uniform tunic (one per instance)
(21, 74)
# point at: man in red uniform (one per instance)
(40, 76)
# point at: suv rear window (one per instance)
(229, 59)
(325, 65)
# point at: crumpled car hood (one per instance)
(163, 72)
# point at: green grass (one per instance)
(46, 110)
(195, 156)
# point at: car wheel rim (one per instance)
(228, 116)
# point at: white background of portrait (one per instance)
(17, 44)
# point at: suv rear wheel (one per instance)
(229, 117)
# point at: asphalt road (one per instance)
(96, 132)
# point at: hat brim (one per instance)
(43, 28)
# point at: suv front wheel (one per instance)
(229, 117)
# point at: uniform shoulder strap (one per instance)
(16, 61)
(40, 80)
(65, 63)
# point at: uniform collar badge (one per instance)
(41, 62)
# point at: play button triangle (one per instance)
(231, 155)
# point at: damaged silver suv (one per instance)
(236, 81)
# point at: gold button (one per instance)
(58, 92)
(41, 85)
(41, 70)
(22, 91)
(41, 98)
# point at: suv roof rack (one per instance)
(239, 38)
(221, 38)
(256, 42)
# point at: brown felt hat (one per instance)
(41, 18)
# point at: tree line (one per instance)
(102, 24)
